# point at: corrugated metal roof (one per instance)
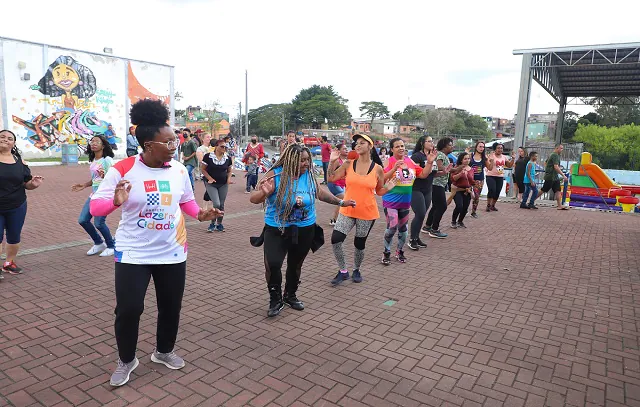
(611, 70)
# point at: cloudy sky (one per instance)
(447, 53)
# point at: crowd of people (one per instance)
(155, 192)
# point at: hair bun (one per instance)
(149, 112)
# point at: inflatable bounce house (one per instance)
(591, 187)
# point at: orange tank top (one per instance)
(360, 188)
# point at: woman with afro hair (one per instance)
(154, 192)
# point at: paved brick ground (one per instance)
(523, 308)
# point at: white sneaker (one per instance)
(107, 253)
(97, 248)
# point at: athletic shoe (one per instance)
(400, 256)
(357, 278)
(220, 228)
(340, 277)
(421, 244)
(96, 248)
(275, 301)
(493, 209)
(107, 253)
(532, 207)
(413, 244)
(123, 371)
(170, 360)
(426, 229)
(1, 275)
(454, 225)
(461, 225)
(438, 234)
(211, 228)
(247, 192)
(488, 209)
(293, 301)
(523, 206)
(474, 215)
(386, 258)
(11, 268)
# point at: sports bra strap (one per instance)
(371, 167)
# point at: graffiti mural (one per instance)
(70, 89)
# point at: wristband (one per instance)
(341, 202)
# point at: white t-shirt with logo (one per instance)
(152, 229)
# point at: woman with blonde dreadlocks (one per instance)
(289, 192)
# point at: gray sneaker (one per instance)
(123, 371)
(170, 360)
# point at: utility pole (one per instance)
(239, 124)
(246, 104)
(283, 125)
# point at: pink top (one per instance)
(498, 167)
(342, 182)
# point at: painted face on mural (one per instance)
(65, 77)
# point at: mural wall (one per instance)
(72, 96)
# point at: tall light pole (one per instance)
(246, 104)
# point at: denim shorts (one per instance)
(335, 189)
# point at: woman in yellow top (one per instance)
(364, 175)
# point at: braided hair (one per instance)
(289, 161)
(14, 150)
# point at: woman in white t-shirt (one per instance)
(201, 151)
(154, 192)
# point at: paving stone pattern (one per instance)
(523, 308)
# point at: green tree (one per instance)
(374, 110)
(619, 115)
(410, 113)
(440, 121)
(266, 120)
(611, 147)
(317, 104)
(570, 126)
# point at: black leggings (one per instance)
(462, 201)
(438, 208)
(420, 203)
(277, 246)
(132, 281)
(494, 185)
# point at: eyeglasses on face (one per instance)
(171, 144)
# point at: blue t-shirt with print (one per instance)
(303, 212)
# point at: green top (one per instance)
(442, 180)
(549, 168)
(189, 148)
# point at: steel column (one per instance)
(523, 101)
(560, 120)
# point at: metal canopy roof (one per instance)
(596, 71)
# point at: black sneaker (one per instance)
(421, 244)
(488, 209)
(400, 256)
(275, 303)
(386, 258)
(494, 209)
(461, 225)
(293, 301)
(454, 225)
(474, 215)
(532, 207)
(340, 277)
(413, 244)
(426, 229)
(523, 206)
(356, 277)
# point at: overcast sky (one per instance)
(447, 53)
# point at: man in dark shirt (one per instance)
(551, 171)
(190, 161)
